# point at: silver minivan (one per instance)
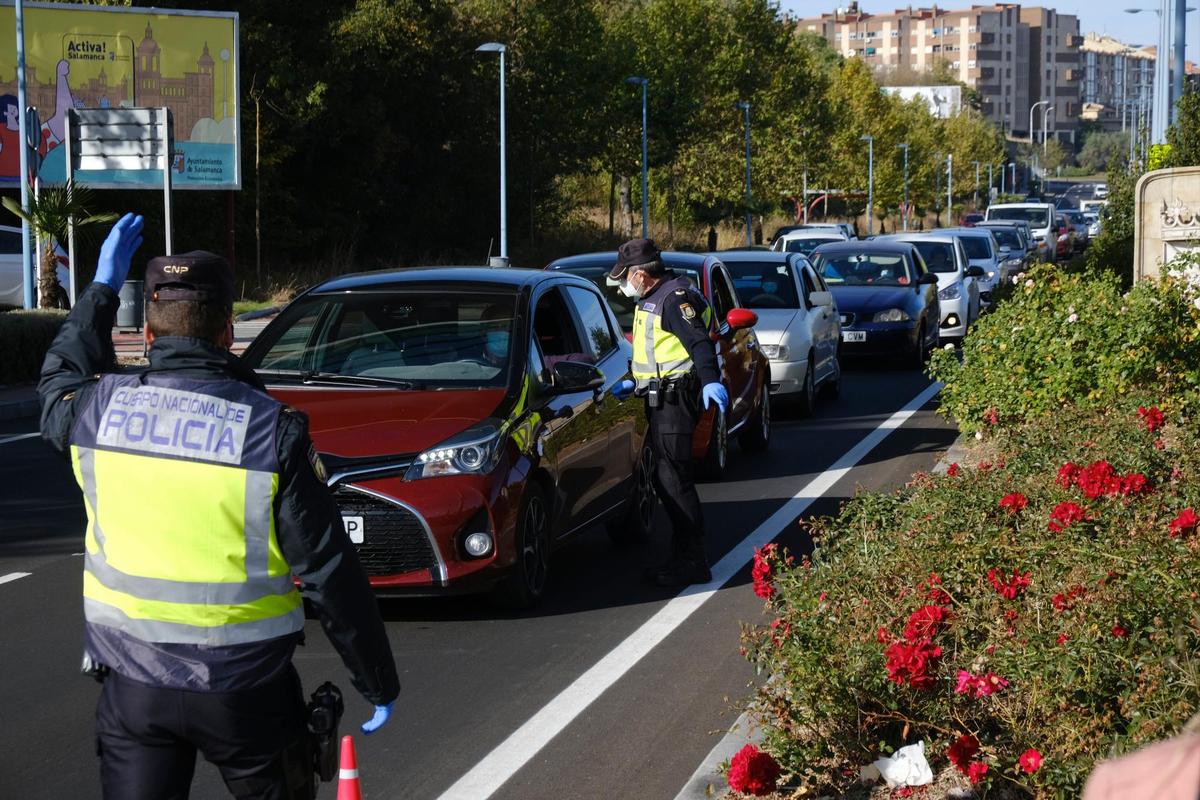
(1040, 217)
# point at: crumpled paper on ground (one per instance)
(907, 767)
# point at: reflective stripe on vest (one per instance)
(182, 550)
(658, 353)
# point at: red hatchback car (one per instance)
(464, 419)
(746, 371)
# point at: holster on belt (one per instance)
(324, 713)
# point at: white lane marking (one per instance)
(13, 576)
(18, 437)
(487, 776)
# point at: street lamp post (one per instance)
(1032, 108)
(976, 198)
(989, 184)
(745, 106)
(636, 79)
(904, 146)
(1045, 129)
(502, 261)
(870, 140)
(29, 292)
(950, 188)
(1013, 167)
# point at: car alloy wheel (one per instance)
(717, 456)
(525, 583)
(638, 520)
(808, 393)
(757, 435)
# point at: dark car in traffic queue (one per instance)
(463, 419)
(745, 369)
(886, 297)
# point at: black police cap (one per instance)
(198, 275)
(634, 253)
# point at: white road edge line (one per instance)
(487, 776)
(18, 437)
(707, 781)
(13, 576)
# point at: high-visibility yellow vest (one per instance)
(179, 478)
(658, 353)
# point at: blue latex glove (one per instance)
(117, 251)
(715, 393)
(622, 389)
(382, 715)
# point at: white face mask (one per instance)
(628, 290)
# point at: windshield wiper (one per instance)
(312, 376)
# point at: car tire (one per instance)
(525, 584)
(634, 526)
(756, 436)
(716, 457)
(921, 351)
(806, 399)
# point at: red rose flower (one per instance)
(977, 771)
(1134, 483)
(983, 685)
(882, 635)
(761, 571)
(1064, 516)
(924, 622)
(1185, 522)
(1011, 588)
(1098, 479)
(952, 470)
(991, 417)
(910, 662)
(1067, 474)
(1062, 638)
(751, 771)
(1012, 503)
(1030, 761)
(962, 751)
(1152, 418)
(1119, 632)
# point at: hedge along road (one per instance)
(612, 688)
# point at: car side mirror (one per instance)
(928, 279)
(975, 271)
(821, 299)
(739, 318)
(575, 376)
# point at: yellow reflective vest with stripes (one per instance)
(657, 352)
(179, 478)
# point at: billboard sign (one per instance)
(114, 57)
(943, 101)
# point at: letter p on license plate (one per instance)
(354, 528)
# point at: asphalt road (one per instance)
(472, 675)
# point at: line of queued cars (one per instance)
(464, 419)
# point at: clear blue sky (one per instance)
(1100, 16)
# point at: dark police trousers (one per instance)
(671, 429)
(147, 738)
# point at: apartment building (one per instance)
(987, 47)
(1117, 81)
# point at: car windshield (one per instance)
(939, 256)
(1036, 217)
(621, 305)
(805, 245)
(1007, 237)
(864, 269)
(1075, 217)
(420, 337)
(977, 247)
(764, 284)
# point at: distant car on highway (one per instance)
(12, 275)
(1064, 237)
(1040, 217)
(1079, 222)
(745, 368)
(958, 279)
(464, 419)
(887, 299)
(1100, 192)
(969, 220)
(1094, 224)
(845, 228)
(1014, 248)
(983, 251)
(805, 240)
(798, 327)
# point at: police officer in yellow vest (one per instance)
(675, 368)
(204, 498)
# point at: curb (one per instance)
(707, 781)
(956, 453)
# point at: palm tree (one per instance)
(48, 214)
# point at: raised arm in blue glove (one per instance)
(715, 393)
(382, 715)
(117, 251)
(622, 389)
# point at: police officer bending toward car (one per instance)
(204, 497)
(675, 368)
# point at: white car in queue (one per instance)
(12, 275)
(958, 280)
(798, 325)
(982, 251)
(805, 240)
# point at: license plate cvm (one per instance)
(854, 336)
(354, 528)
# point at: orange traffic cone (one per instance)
(348, 786)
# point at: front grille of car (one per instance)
(394, 540)
(847, 319)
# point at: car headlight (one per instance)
(1013, 263)
(775, 351)
(951, 292)
(472, 452)
(891, 315)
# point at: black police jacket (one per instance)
(308, 524)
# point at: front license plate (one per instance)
(854, 336)
(354, 528)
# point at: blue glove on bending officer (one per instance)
(117, 251)
(715, 393)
